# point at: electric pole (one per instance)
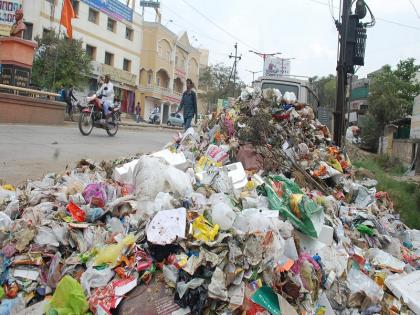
(236, 59)
(341, 73)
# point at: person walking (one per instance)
(189, 104)
(138, 112)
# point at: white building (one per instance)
(112, 39)
(415, 120)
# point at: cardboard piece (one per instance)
(237, 175)
(177, 160)
(167, 226)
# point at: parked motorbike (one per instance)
(92, 115)
(154, 118)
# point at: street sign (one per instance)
(150, 4)
(113, 8)
(276, 67)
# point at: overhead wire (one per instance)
(217, 26)
(414, 8)
(377, 18)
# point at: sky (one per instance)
(300, 29)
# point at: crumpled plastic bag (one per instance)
(153, 175)
(5, 221)
(95, 194)
(45, 236)
(289, 97)
(68, 298)
(285, 196)
(109, 254)
(359, 282)
(223, 215)
(93, 278)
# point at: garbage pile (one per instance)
(255, 212)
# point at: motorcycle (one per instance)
(92, 115)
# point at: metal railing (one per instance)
(16, 90)
(160, 90)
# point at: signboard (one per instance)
(113, 8)
(14, 75)
(150, 4)
(415, 120)
(117, 75)
(276, 67)
(7, 15)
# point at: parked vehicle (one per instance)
(175, 119)
(92, 115)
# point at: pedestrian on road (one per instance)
(189, 104)
(69, 96)
(138, 112)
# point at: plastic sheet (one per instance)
(359, 282)
(223, 215)
(68, 298)
(110, 253)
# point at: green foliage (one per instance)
(370, 132)
(214, 84)
(326, 89)
(66, 57)
(391, 96)
(405, 195)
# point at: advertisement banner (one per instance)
(276, 67)
(7, 15)
(113, 8)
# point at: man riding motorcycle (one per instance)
(107, 93)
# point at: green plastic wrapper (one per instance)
(364, 229)
(267, 298)
(281, 191)
(68, 298)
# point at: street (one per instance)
(28, 152)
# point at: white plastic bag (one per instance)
(223, 215)
(5, 221)
(359, 282)
(93, 278)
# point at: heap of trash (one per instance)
(253, 212)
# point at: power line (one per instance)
(198, 33)
(381, 19)
(414, 8)
(216, 25)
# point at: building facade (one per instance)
(112, 39)
(167, 61)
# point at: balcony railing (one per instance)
(160, 91)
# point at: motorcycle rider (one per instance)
(107, 92)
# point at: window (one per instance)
(109, 58)
(158, 81)
(91, 51)
(111, 25)
(127, 65)
(93, 16)
(149, 78)
(75, 4)
(27, 34)
(128, 33)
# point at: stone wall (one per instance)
(404, 150)
(28, 110)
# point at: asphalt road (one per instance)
(29, 152)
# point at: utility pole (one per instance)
(236, 59)
(341, 73)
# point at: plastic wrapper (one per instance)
(68, 298)
(268, 299)
(77, 214)
(109, 254)
(204, 230)
(54, 272)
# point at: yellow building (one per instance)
(167, 60)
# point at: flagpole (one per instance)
(58, 45)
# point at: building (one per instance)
(203, 106)
(112, 35)
(415, 120)
(167, 61)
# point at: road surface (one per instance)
(29, 152)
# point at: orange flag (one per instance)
(67, 13)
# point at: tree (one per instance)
(391, 96)
(215, 84)
(325, 88)
(60, 61)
